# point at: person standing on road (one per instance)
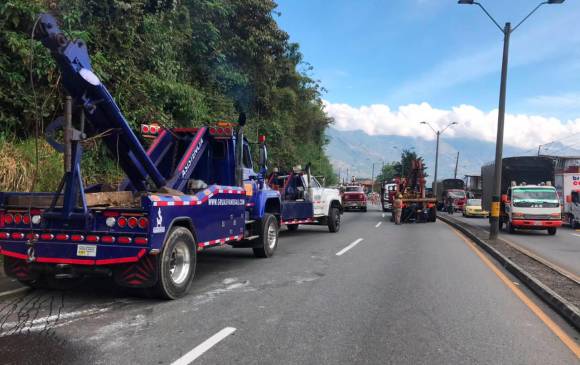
(398, 208)
(449, 205)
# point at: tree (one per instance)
(388, 172)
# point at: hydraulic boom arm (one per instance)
(101, 110)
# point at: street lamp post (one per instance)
(438, 134)
(507, 31)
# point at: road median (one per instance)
(559, 291)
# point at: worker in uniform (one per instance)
(398, 208)
(449, 205)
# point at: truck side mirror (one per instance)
(263, 156)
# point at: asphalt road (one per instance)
(410, 294)
(563, 249)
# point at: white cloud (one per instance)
(524, 131)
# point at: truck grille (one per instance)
(539, 217)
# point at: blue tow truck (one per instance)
(193, 188)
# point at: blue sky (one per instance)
(400, 52)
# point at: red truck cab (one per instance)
(354, 197)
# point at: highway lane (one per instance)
(563, 249)
(402, 294)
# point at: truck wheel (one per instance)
(268, 240)
(292, 227)
(573, 224)
(433, 214)
(176, 264)
(552, 231)
(333, 220)
(364, 209)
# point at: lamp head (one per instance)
(555, 1)
(466, 2)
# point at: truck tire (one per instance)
(333, 219)
(552, 231)
(364, 209)
(433, 214)
(176, 264)
(572, 221)
(292, 227)
(268, 239)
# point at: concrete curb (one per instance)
(563, 307)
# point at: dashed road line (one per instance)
(204, 347)
(341, 252)
(575, 234)
(378, 224)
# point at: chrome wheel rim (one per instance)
(272, 236)
(179, 263)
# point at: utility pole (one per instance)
(373, 179)
(438, 134)
(507, 31)
(456, 163)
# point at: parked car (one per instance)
(472, 208)
(354, 197)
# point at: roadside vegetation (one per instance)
(181, 63)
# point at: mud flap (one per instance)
(19, 269)
(141, 274)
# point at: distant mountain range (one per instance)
(357, 151)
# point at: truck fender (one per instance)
(335, 203)
(183, 221)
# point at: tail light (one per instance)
(17, 219)
(8, 218)
(108, 239)
(143, 223)
(61, 237)
(17, 236)
(4, 235)
(26, 219)
(93, 238)
(124, 239)
(46, 237)
(132, 222)
(77, 237)
(122, 222)
(141, 240)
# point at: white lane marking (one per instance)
(10, 292)
(575, 234)
(339, 253)
(378, 224)
(383, 215)
(204, 346)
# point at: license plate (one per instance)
(87, 250)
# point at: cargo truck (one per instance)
(528, 198)
(567, 183)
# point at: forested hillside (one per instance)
(180, 62)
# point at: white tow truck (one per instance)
(306, 200)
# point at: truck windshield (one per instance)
(456, 194)
(357, 189)
(535, 194)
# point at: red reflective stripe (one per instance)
(156, 141)
(56, 260)
(14, 254)
(121, 260)
(190, 150)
